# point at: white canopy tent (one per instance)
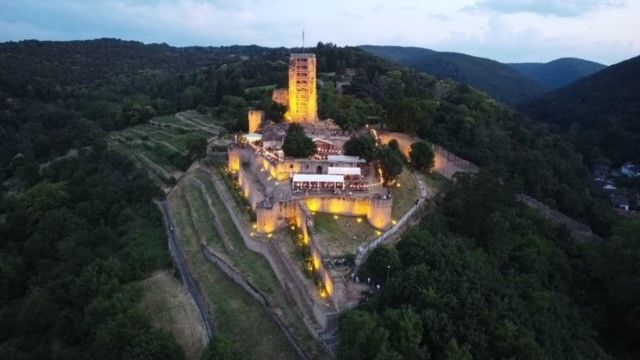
(348, 171)
(317, 178)
(315, 182)
(252, 137)
(345, 158)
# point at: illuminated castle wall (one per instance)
(256, 117)
(270, 215)
(445, 163)
(280, 96)
(376, 210)
(303, 97)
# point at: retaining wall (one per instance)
(446, 163)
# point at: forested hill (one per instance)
(499, 80)
(483, 276)
(51, 65)
(601, 112)
(558, 73)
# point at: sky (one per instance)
(607, 31)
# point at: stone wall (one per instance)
(250, 189)
(446, 163)
(377, 211)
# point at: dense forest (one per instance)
(502, 283)
(484, 277)
(600, 113)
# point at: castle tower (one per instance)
(256, 117)
(303, 97)
(379, 214)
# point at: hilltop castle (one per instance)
(284, 191)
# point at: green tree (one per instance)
(405, 332)
(421, 155)
(381, 263)
(620, 264)
(219, 348)
(275, 111)
(328, 101)
(297, 144)
(391, 164)
(365, 338)
(363, 146)
(196, 148)
(454, 351)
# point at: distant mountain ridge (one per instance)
(499, 80)
(601, 112)
(511, 83)
(558, 73)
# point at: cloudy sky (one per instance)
(607, 31)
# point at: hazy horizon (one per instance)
(604, 31)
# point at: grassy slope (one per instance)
(257, 269)
(171, 308)
(237, 315)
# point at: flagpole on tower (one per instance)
(302, 39)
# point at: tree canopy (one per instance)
(297, 144)
(363, 146)
(422, 155)
(390, 162)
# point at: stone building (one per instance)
(256, 119)
(303, 97)
(280, 96)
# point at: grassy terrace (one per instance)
(175, 311)
(343, 234)
(237, 315)
(404, 197)
(158, 173)
(200, 213)
(256, 267)
(435, 181)
(160, 145)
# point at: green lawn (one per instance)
(404, 197)
(343, 234)
(170, 307)
(435, 180)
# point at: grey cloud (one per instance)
(562, 8)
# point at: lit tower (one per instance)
(303, 97)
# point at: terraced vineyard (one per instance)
(160, 146)
(236, 314)
(253, 265)
(197, 207)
